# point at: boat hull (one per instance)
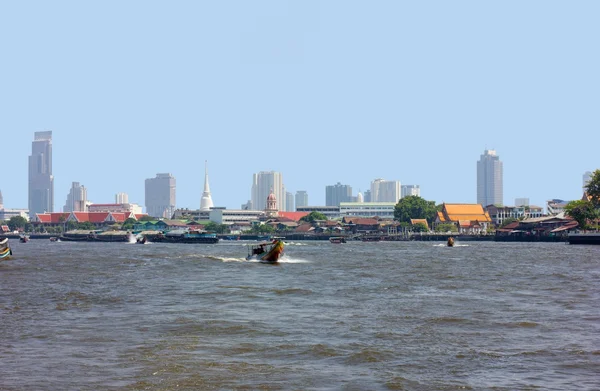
(5, 250)
(271, 252)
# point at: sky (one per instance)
(321, 91)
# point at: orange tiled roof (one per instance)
(419, 221)
(457, 212)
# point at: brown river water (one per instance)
(354, 316)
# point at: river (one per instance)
(354, 316)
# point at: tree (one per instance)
(446, 227)
(419, 227)
(17, 223)
(507, 221)
(415, 207)
(313, 216)
(217, 228)
(582, 211)
(593, 188)
(147, 218)
(128, 224)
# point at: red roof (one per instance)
(4, 228)
(295, 216)
(53, 218)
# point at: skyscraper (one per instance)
(489, 179)
(160, 196)
(41, 181)
(76, 199)
(289, 202)
(410, 190)
(301, 198)
(262, 183)
(334, 194)
(121, 198)
(385, 191)
(206, 202)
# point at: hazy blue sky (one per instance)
(322, 91)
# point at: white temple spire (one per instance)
(206, 203)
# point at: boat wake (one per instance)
(226, 259)
(287, 259)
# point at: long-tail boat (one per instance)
(266, 252)
(5, 250)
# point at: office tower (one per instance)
(367, 196)
(206, 202)
(586, 178)
(521, 201)
(76, 199)
(160, 196)
(410, 190)
(289, 202)
(262, 183)
(121, 198)
(1, 201)
(334, 194)
(489, 179)
(301, 198)
(385, 191)
(41, 181)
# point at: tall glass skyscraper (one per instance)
(489, 179)
(41, 180)
(160, 196)
(301, 198)
(334, 194)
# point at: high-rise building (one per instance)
(1, 201)
(262, 183)
(121, 198)
(289, 202)
(385, 191)
(160, 196)
(587, 176)
(76, 199)
(410, 190)
(489, 179)
(206, 202)
(301, 198)
(367, 196)
(41, 181)
(334, 194)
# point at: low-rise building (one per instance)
(499, 214)
(470, 219)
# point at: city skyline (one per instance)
(323, 92)
(206, 194)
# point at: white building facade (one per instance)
(385, 191)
